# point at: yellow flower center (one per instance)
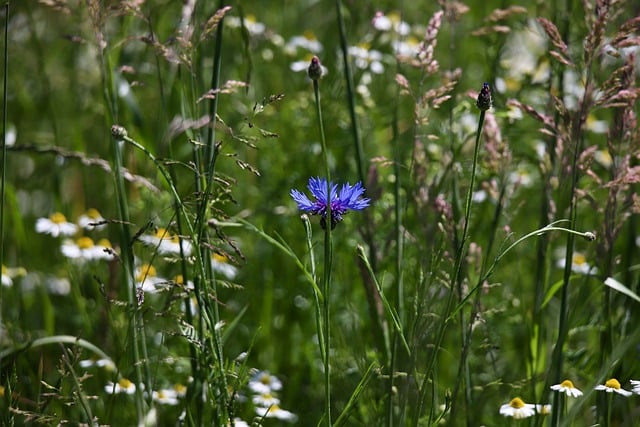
(161, 394)
(516, 403)
(104, 242)
(579, 259)
(220, 258)
(613, 383)
(93, 213)
(180, 389)
(58, 218)
(84, 242)
(5, 271)
(1, 391)
(179, 279)
(567, 384)
(394, 16)
(309, 35)
(162, 233)
(125, 383)
(146, 270)
(265, 379)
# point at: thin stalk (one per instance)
(4, 144)
(328, 254)
(207, 285)
(126, 255)
(316, 296)
(446, 316)
(460, 255)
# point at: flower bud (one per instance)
(118, 132)
(484, 97)
(315, 69)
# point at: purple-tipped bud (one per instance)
(484, 97)
(315, 69)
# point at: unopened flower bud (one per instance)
(484, 97)
(315, 69)
(118, 132)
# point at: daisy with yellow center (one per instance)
(275, 411)
(579, 263)
(84, 249)
(147, 278)
(8, 274)
(165, 397)
(91, 220)
(516, 408)
(122, 386)
(56, 225)
(568, 388)
(180, 389)
(167, 243)
(220, 264)
(612, 385)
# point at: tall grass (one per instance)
(498, 256)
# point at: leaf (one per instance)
(617, 286)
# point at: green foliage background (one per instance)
(58, 97)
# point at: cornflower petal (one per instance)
(349, 198)
(304, 204)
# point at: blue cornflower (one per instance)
(349, 198)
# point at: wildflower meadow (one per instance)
(320, 213)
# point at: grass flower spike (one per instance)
(613, 386)
(568, 388)
(518, 409)
(484, 97)
(349, 198)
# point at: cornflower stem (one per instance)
(328, 253)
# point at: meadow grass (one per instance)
(320, 213)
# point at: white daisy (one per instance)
(568, 388)
(265, 400)
(98, 363)
(517, 409)
(56, 225)
(276, 412)
(122, 386)
(579, 264)
(220, 264)
(165, 397)
(167, 243)
(612, 385)
(8, 274)
(83, 249)
(263, 382)
(147, 278)
(91, 219)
